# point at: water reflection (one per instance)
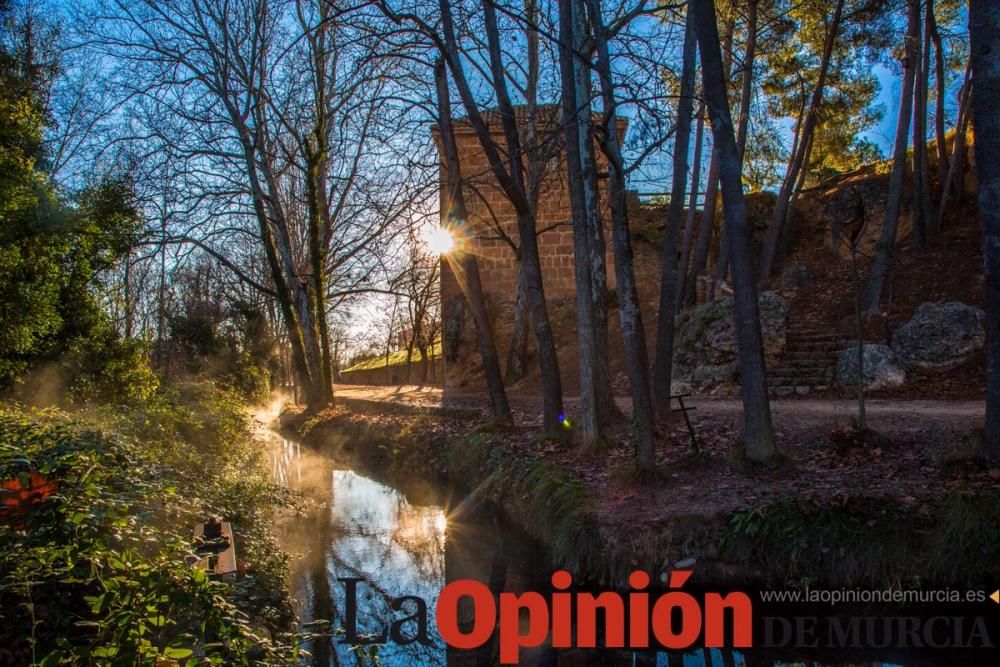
(358, 528)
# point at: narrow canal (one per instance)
(391, 542)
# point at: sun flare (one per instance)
(440, 241)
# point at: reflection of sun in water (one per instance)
(439, 240)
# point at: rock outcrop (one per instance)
(880, 368)
(940, 336)
(705, 352)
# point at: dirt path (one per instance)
(837, 408)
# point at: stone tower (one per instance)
(492, 228)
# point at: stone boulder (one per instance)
(940, 336)
(881, 368)
(705, 341)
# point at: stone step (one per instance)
(814, 336)
(805, 346)
(811, 355)
(799, 364)
(796, 380)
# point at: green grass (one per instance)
(397, 358)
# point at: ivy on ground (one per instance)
(95, 573)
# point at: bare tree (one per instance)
(466, 267)
(274, 113)
(984, 32)
(629, 310)
(576, 119)
(663, 365)
(886, 245)
(758, 433)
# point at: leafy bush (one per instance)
(110, 369)
(96, 573)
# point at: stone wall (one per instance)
(492, 226)
(490, 233)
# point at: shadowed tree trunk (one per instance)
(941, 84)
(682, 269)
(607, 409)
(704, 242)
(758, 434)
(517, 355)
(798, 159)
(466, 268)
(743, 127)
(984, 31)
(951, 180)
(923, 217)
(663, 366)
(886, 245)
(629, 311)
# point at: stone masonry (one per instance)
(492, 225)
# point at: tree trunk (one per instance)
(630, 314)
(984, 31)
(663, 365)
(941, 84)
(958, 147)
(511, 180)
(787, 231)
(758, 432)
(607, 409)
(682, 269)
(923, 223)
(886, 245)
(467, 272)
(742, 129)
(317, 161)
(517, 356)
(797, 161)
(704, 243)
(588, 426)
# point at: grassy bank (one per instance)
(96, 574)
(850, 539)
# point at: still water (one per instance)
(411, 542)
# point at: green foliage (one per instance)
(105, 367)
(967, 539)
(792, 68)
(96, 573)
(53, 253)
(953, 539)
